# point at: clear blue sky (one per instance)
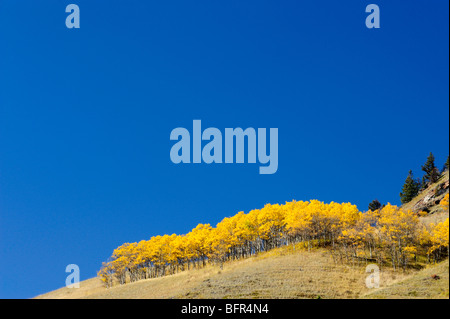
(86, 114)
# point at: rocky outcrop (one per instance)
(432, 197)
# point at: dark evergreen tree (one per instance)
(424, 182)
(410, 189)
(431, 172)
(446, 165)
(374, 205)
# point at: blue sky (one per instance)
(86, 115)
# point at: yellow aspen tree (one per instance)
(445, 202)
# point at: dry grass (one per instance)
(420, 285)
(436, 214)
(435, 218)
(87, 288)
(281, 273)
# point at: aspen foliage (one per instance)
(389, 236)
(436, 240)
(445, 202)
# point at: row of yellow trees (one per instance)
(387, 235)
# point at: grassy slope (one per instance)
(420, 285)
(437, 214)
(281, 273)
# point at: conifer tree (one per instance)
(446, 165)
(410, 189)
(423, 184)
(431, 171)
(374, 205)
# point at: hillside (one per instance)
(428, 200)
(290, 273)
(429, 283)
(281, 273)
